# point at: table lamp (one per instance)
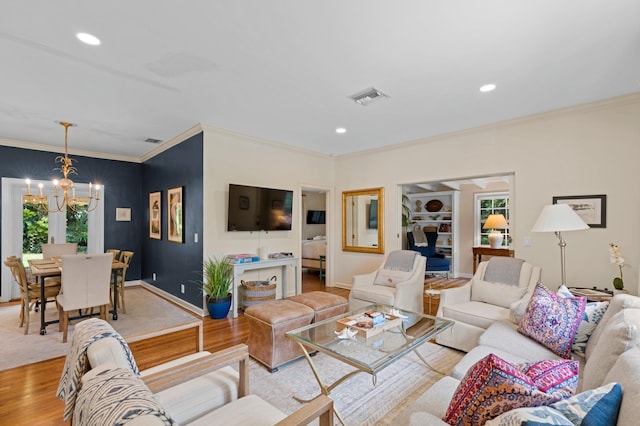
(495, 222)
(558, 218)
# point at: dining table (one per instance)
(52, 267)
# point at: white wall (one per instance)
(586, 150)
(231, 158)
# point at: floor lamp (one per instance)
(559, 218)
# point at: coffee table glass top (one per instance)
(386, 342)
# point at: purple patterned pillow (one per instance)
(552, 320)
(553, 376)
(493, 386)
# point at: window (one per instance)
(486, 204)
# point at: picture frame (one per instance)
(591, 208)
(123, 214)
(155, 215)
(175, 215)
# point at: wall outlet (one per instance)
(195, 237)
(182, 288)
(153, 276)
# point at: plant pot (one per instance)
(219, 308)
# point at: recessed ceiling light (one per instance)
(487, 87)
(341, 130)
(88, 39)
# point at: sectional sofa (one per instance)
(611, 355)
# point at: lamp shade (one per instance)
(558, 218)
(495, 221)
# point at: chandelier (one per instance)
(64, 186)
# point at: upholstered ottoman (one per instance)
(268, 323)
(325, 305)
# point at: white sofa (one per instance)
(198, 389)
(479, 303)
(612, 355)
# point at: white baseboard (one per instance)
(186, 305)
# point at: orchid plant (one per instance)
(615, 253)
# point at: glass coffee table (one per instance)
(366, 347)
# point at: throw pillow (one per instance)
(593, 313)
(115, 396)
(491, 387)
(552, 320)
(498, 294)
(553, 376)
(390, 277)
(595, 407)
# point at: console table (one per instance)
(241, 268)
(488, 251)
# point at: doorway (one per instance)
(315, 232)
(25, 228)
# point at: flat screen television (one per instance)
(316, 217)
(253, 208)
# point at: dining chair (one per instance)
(115, 252)
(85, 284)
(120, 278)
(30, 291)
(54, 250)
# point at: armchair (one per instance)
(499, 290)
(391, 284)
(436, 262)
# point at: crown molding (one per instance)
(60, 150)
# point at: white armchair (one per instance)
(502, 293)
(398, 282)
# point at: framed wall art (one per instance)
(155, 215)
(123, 214)
(175, 209)
(591, 208)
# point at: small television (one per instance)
(253, 208)
(316, 217)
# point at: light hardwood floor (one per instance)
(27, 393)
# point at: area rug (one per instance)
(146, 313)
(358, 400)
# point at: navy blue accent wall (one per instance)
(122, 180)
(175, 264)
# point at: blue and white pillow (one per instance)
(593, 313)
(596, 407)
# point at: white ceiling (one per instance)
(282, 70)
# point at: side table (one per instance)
(488, 251)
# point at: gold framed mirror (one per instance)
(363, 220)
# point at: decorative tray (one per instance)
(364, 325)
(434, 206)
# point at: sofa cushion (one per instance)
(617, 303)
(491, 387)
(504, 334)
(250, 410)
(113, 395)
(194, 398)
(496, 293)
(593, 312)
(478, 314)
(479, 352)
(597, 407)
(552, 320)
(626, 372)
(375, 294)
(620, 333)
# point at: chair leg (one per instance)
(121, 294)
(25, 317)
(103, 312)
(65, 326)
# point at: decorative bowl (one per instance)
(434, 205)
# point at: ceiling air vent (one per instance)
(367, 96)
(151, 140)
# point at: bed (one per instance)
(311, 252)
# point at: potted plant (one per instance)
(217, 281)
